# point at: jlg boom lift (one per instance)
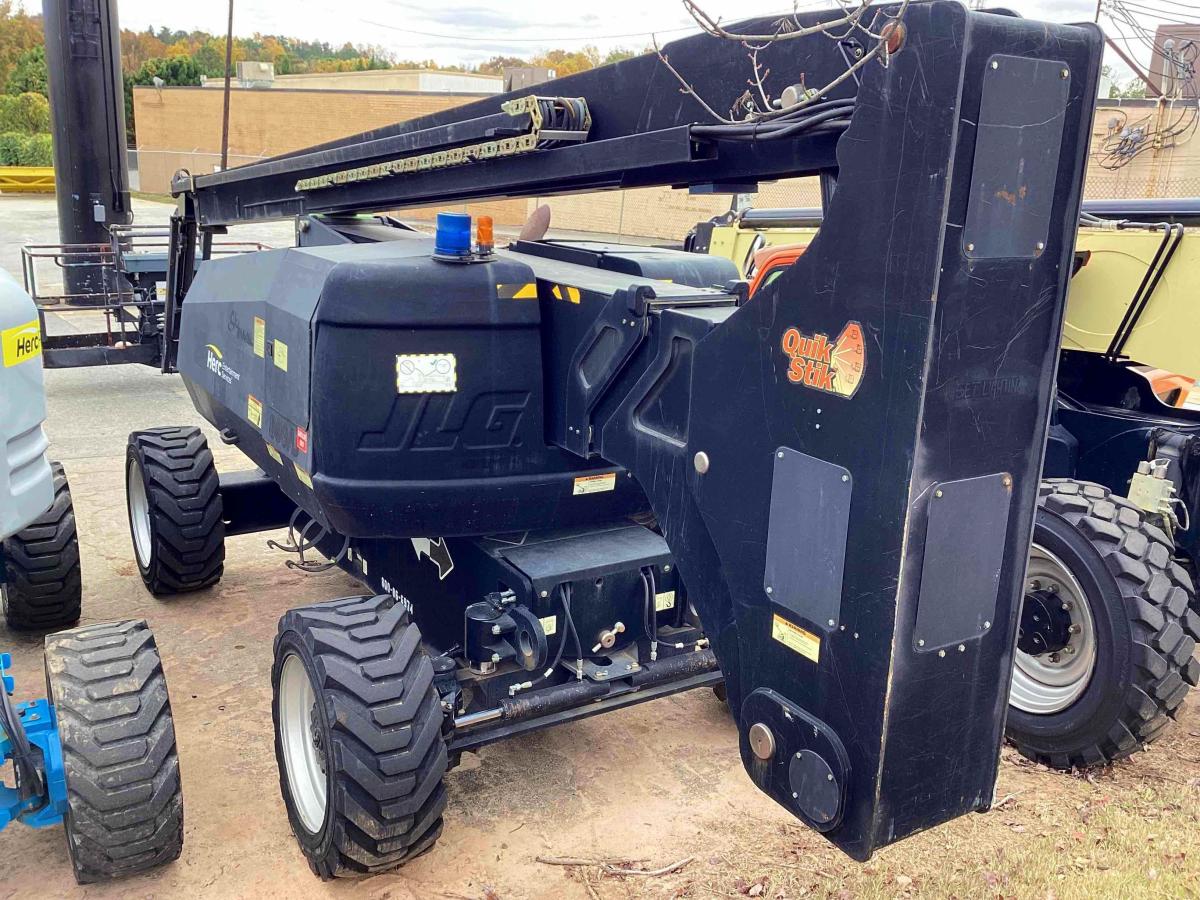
(576, 476)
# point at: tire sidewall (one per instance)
(321, 844)
(1103, 700)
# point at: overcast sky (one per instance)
(469, 31)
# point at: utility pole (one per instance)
(228, 73)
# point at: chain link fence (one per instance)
(1125, 184)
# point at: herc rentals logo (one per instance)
(835, 367)
(21, 344)
(217, 366)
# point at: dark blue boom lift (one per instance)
(577, 477)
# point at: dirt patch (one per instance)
(643, 788)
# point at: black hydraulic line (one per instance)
(678, 666)
(541, 703)
(618, 697)
(1150, 281)
(575, 693)
(835, 115)
(562, 643)
(29, 777)
(1117, 340)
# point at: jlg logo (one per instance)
(835, 367)
(21, 344)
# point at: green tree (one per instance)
(619, 53)
(179, 71)
(27, 113)
(10, 148)
(29, 73)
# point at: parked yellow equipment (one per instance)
(1115, 267)
(26, 179)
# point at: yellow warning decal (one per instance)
(526, 291)
(595, 484)
(274, 454)
(549, 625)
(254, 410)
(664, 600)
(279, 353)
(303, 476)
(565, 292)
(796, 638)
(21, 343)
(260, 337)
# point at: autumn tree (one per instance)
(497, 64)
(568, 62)
(29, 73)
(19, 33)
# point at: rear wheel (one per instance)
(1103, 660)
(174, 502)
(42, 587)
(124, 800)
(358, 735)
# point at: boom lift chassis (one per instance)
(839, 475)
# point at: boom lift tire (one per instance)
(174, 502)
(42, 587)
(1101, 578)
(358, 735)
(125, 802)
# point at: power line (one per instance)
(1190, 7)
(1161, 15)
(527, 40)
(805, 7)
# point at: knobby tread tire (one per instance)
(183, 490)
(43, 587)
(382, 720)
(125, 801)
(1156, 593)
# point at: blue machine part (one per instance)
(37, 719)
(453, 236)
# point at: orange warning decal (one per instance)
(835, 367)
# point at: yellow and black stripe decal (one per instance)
(517, 291)
(566, 292)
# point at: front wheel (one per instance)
(1103, 659)
(124, 799)
(173, 498)
(358, 736)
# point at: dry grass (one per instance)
(1132, 830)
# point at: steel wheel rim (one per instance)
(1041, 686)
(139, 513)
(302, 761)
